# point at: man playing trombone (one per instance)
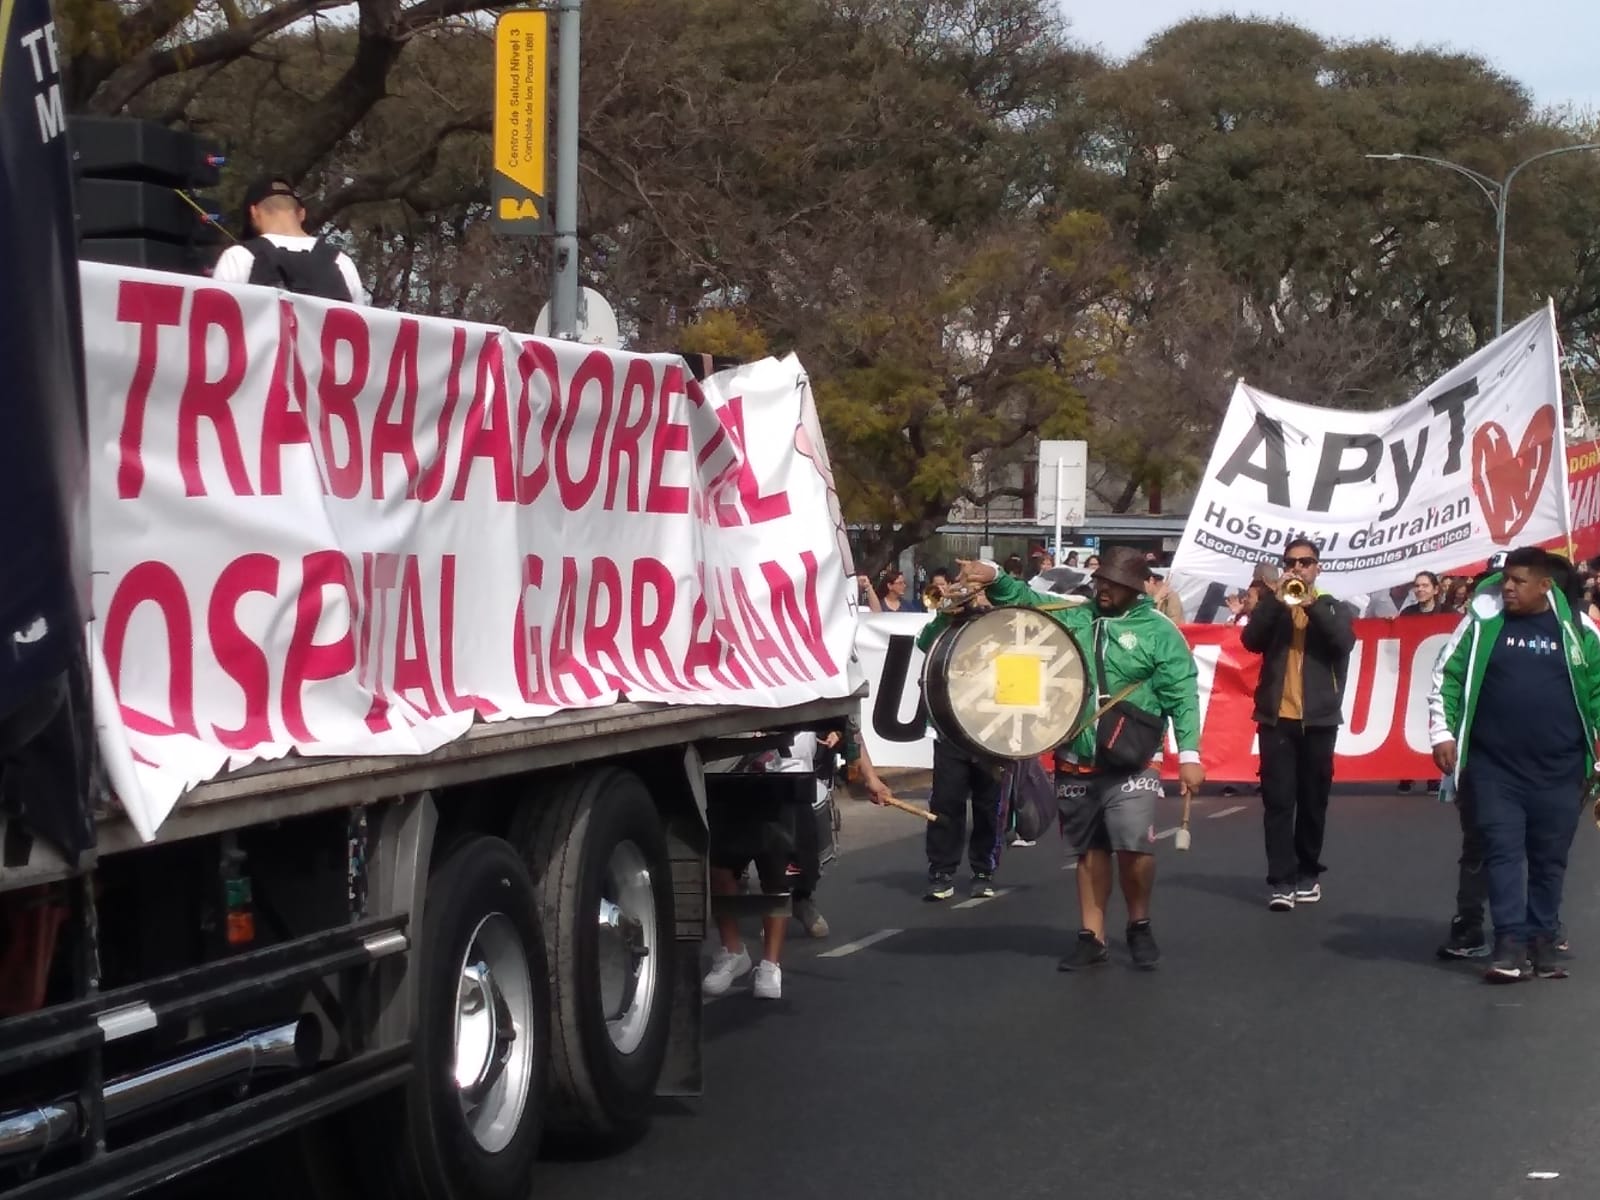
(1304, 638)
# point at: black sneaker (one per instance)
(1088, 951)
(1142, 945)
(1511, 963)
(1547, 959)
(1466, 940)
(1281, 898)
(982, 885)
(940, 888)
(1308, 891)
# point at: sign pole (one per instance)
(1055, 547)
(564, 293)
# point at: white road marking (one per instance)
(1226, 812)
(977, 900)
(1071, 866)
(1166, 833)
(1544, 1174)
(872, 939)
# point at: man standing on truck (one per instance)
(1106, 787)
(280, 253)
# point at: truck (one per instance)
(416, 968)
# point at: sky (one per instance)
(1547, 45)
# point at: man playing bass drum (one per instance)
(1304, 638)
(1143, 675)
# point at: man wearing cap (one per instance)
(280, 253)
(1305, 654)
(1143, 674)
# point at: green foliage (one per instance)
(974, 232)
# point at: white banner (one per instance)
(1475, 464)
(893, 724)
(343, 531)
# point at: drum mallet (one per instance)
(1180, 840)
(930, 817)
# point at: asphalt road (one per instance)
(1322, 1054)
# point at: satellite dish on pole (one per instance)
(597, 323)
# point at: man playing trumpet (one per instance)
(1304, 638)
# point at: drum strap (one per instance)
(1106, 703)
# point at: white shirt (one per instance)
(235, 263)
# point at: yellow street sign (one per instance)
(521, 88)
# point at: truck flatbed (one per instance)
(297, 785)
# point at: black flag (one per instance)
(45, 730)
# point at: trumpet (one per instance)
(1293, 592)
(954, 599)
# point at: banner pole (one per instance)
(1561, 429)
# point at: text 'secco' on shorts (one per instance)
(1109, 812)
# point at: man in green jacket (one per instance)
(1513, 714)
(1102, 811)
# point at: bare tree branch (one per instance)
(114, 89)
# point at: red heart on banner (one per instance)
(1507, 484)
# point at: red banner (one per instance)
(1583, 487)
(1385, 733)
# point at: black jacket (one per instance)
(1329, 638)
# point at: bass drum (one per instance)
(1009, 683)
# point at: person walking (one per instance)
(1513, 716)
(1429, 602)
(1106, 787)
(1305, 649)
(960, 781)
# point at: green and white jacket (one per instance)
(1458, 675)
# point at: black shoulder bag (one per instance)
(1126, 737)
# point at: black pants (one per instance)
(1296, 777)
(1472, 887)
(957, 779)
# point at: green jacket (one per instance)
(1141, 644)
(1458, 674)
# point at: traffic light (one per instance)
(135, 194)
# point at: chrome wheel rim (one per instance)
(627, 957)
(493, 1041)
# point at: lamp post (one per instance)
(1497, 192)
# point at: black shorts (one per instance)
(761, 837)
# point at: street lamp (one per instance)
(1496, 192)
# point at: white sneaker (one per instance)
(727, 966)
(769, 981)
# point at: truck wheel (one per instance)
(599, 855)
(471, 1115)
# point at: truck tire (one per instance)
(599, 857)
(469, 1122)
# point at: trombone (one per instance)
(1293, 592)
